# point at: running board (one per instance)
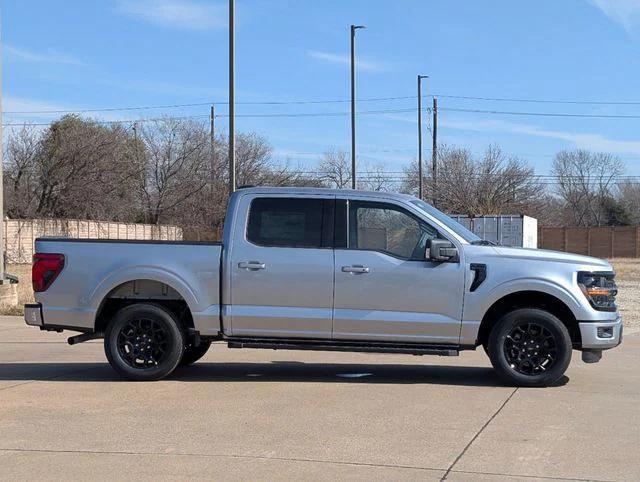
(348, 346)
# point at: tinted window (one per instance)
(290, 222)
(387, 228)
(449, 222)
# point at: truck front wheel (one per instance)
(530, 347)
(144, 342)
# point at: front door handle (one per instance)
(251, 265)
(356, 268)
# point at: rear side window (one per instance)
(286, 222)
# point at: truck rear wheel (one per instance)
(144, 342)
(530, 347)
(193, 353)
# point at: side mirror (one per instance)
(441, 250)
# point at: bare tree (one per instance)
(178, 165)
(628, 194)
(74, 168)
(585, 181)
(494, 184)
(335, 169)
(22, 150)
(376, 178)
(204, 212)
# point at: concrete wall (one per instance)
(20, 234)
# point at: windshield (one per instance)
(455, 226)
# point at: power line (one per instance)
(543, 114)
(299, 114)
(327, 101)
(200, 104)
(105, 122)
(370, 112)
(539, 101)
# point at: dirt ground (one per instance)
(628, 280)
(627, 277)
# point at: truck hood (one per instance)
(552, 256)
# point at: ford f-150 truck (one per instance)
(336, 270)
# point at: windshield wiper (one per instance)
(483, 242)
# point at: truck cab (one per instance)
(333, 270)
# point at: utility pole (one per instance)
(353, 103)
(212, 117)
(420, 176)
(1, 169)
(232, 99)
(434, 150)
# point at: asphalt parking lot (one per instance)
(261, 414)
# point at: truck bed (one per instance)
(96, 270)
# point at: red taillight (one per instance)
(46, 268)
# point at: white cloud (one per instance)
(624, 12)
(48, 56)
(185, 14)
(341, 59)
(21, 104)
(594, 142)
(19, 110)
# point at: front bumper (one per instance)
(601, 335)
(33, 314)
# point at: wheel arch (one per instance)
(144, 289)
(529, 299)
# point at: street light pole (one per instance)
(232, 99)
(420, 176)
(434, 151)
(353, 103)
(1, 169)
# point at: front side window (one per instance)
(285, 222)
(388, 228)
(466, 234)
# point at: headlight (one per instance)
(600, 289)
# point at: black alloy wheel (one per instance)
(144, 341)
(530, 347)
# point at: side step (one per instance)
(348, 346)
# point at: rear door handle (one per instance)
(356, 268)
(251, 265)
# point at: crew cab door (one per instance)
(281, 267)
(385, 289)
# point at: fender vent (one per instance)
(480, 271)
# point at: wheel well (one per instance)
(143, 291)
(529, 299)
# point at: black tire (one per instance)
(530, 348)
(144, 342)
(193, 353)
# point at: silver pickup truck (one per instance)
(336, 270)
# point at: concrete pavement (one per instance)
(261, 414)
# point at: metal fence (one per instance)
(602, 242)
(503, 229)
(20, 234)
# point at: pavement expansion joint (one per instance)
(473, 439)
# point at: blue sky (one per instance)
(71, 54)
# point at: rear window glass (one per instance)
(285, 222)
